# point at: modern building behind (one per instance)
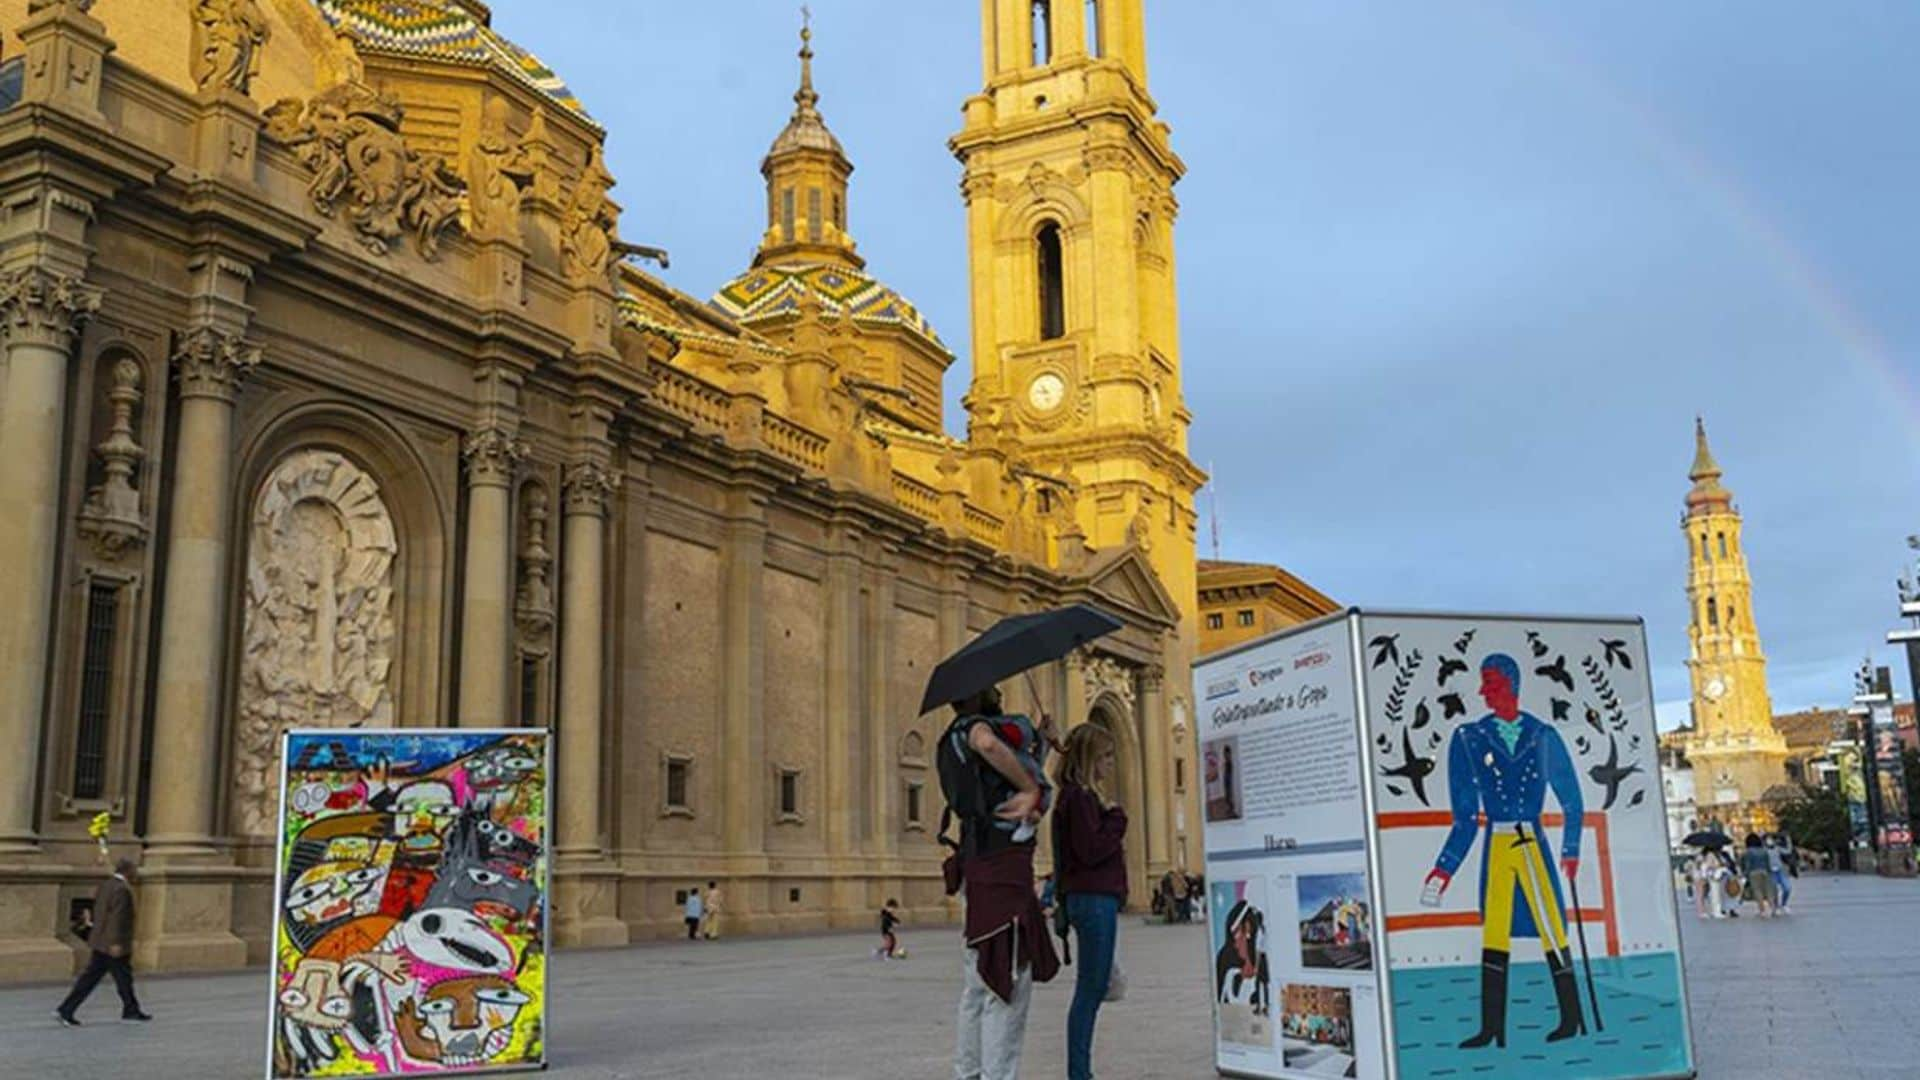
(1240, 601)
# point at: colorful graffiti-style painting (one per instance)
(411, 903)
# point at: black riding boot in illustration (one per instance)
(1493, 1001)
(1566, 990)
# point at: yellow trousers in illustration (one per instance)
(1515, 861)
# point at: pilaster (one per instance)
(882, 831)
(743, 673)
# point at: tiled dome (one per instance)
(445, 30)
(774, 290)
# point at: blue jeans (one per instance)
(1096, 923)
(1781, 889)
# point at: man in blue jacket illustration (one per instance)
(1502, 766)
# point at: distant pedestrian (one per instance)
(1760, 887)
(1705, 892)
(889, 933)
(1090, 841)
(1177, 899)
(710, 919)
(1777, 868)
(110, 944)
(695, 911)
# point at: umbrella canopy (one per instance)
(1707, 838)
(1011, 646)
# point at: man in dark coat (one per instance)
(111, 942)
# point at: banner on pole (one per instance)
(1442, 850)
(410, 903)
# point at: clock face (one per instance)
(1047, 391)
(1716, 688)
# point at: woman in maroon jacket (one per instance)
(1092, 863)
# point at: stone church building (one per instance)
(333, 396)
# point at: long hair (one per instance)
(1080, 758)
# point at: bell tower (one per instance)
(1068, 180)
(1735, 750)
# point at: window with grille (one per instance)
(676, 787)
(529, 691)
(1245, 617)
(1215, 620)
(813, 214)
(96, 690)
(786, 214)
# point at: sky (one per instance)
(1454, 279)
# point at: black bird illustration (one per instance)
(1539, 647)
(1557, 671)
(1395, 790)
(1386, 647)
(1612, 773)
(1617, 652)
(1593, 720)
(1582, 744)
(1633, 743)
(1383, 742)
(1465, 639)
(1421, 714)
(1452, 705)
(1560, 707)
(1433, 739)
(1638, 798)
(1449, 667)
(1415, 770)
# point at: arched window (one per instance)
(1053, 300)
(1042, 32)
(1723, 545)
(1713, 612)
(1705, 551)
(1093, 28)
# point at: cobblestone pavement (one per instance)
(1827, 993)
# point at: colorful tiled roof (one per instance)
(445, 30)
(775, 290)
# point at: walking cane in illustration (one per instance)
(1502, 766)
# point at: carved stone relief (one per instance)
(318, 634)
(1104, 674)
(497, 172)
(348, 135)
(587, 229)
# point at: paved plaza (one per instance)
(1828, 992)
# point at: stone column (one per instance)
(743, 665)
(1073, 691)
(491, 455)
(209, 364)
(589, 887)
(883, 828)
(842, 753)
(40, 316)
(1158, 767)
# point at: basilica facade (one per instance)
(333, 396)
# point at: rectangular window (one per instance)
(793, 896)
(1245, 617)
(839, 214)
(677, 787)
(786, 215)
(96, 690)
(1042, 32)
(1093, 28)
(1179, 774)
(914, 820)
(1216, 620)
(813, 214)
(529, 691)
(1723, 545)
(789, 794)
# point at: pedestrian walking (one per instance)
(695, 911)
(890, 933)
(1759, 875)
(710, 917)
(1007, 947)
(1779, 864)
(110, 945)
(1705, 894)
(1089, 837)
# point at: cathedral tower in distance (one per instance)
(1736, 752)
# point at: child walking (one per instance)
(890, 939)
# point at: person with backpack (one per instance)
(1089, 833)
(986, 785)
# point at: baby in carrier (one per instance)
(1030, 749)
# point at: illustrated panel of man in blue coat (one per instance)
(1503, 765)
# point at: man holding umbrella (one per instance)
(986, 784)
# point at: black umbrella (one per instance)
(1011, 646)
(1707, 838)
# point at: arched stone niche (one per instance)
(318, 623)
